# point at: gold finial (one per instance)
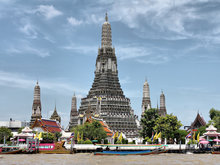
(106, 17)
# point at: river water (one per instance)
(90, 159)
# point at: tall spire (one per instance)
(106, 85)
(106, 34)
(36, 107)
(146, 103)
(162, 110)
(73, 113)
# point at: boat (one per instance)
(216, 149)
(144, 152)
(10, 150)
(53, 148)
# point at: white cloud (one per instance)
(25, 47)
(131, 52)
(48, 11)
(81, 48)
(29, 30)
(74, 22)
(21, 81)
(154, 59)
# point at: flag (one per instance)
(116, 134)
(78, 137)
(72, 135)
(189, 135)
(155, 136)
(36, 135)
(40, 136)
(120, 137)
(198, 137)
(159, 135)
(152, 137)
(194, 136)
(113, 136)
(82, 136)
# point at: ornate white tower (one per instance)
(36, 107)
(162, 111)
(106, 99)
(146, 103)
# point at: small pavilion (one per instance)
(24, 135)
(211, 131)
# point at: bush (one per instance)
(149, 141)
(192, 142)
(124, 141)
(88, 142)
(80, 142)
(118, 142)
(133, 142)
(105, 141)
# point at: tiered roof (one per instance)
(47, 125)
(198, 122)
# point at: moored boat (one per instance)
(10, 150)
(144, 152)
(216, 149)
(53, 148)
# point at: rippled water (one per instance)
(90, 159)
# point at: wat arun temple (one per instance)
(106, 99)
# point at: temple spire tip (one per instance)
(106, 17)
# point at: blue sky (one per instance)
(175, 44)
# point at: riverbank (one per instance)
(91, 159)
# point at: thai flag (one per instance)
(152, 137)
(72, 135)
(189, 135)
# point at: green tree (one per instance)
(215, 117)
(148, 122)
(180, 135)
(167, 125)
(20, 129)
(91, 131)
(213, 113)
(201, 130)
(5, 132)
(57, 135)
(48, 137)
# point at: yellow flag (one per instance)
(113, 136)
(194, 136)
(40, 136)
(155, 136)
(36, 135)
(82, 136)
(120, 137)
(159, 135)
(78, 137)
(116, 134)
(198, 137)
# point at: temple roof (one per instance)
(211, 128)
(55, 115)
(47, 125)
(198, 122)
(27, 129)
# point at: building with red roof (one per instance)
(46, 125)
